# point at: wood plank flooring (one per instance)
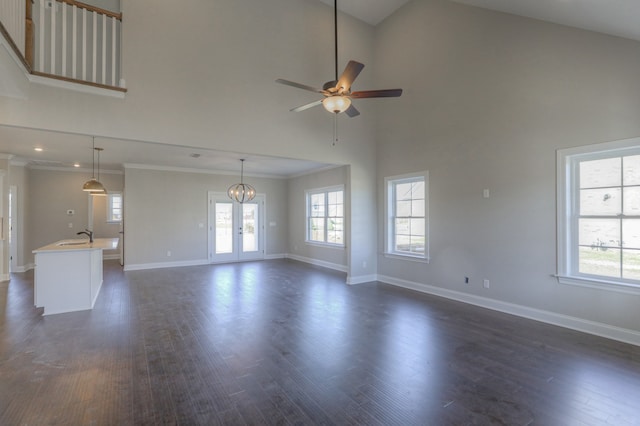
(284, 343)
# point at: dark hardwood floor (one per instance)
(281, 342)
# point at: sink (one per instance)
(72, 243)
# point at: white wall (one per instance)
(298, 247)
(164, 210)
(489, 98)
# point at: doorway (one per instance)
(236, 231)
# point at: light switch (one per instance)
(485, 193)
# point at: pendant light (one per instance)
(241, 192)
(93, 186)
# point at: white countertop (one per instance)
(80, 244)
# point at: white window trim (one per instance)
(307, 198)
(388, 208)
(566, 175)
(109, 206)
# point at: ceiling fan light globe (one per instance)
(336, 104)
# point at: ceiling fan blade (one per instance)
(299, 86)
(385, 93)
(307, 106)
(352, 111)
(349, 74)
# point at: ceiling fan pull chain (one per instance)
(335, 129)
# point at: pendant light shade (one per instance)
(241, 192)
(93, 185)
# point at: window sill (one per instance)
(599, 284)
(406, 257)
(325, 245)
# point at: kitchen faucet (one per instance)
(88, 233)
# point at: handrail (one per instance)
(90, 8)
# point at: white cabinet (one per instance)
(68, 277)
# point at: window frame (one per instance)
(568, 188)
(308, 196)
(109, 204)
(390, 206)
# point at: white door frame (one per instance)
(13, 229)
(237, 255)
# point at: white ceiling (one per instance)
(62, 150)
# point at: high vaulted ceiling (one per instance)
(615, 17)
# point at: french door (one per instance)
(236, 231)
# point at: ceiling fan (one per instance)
(337, 93)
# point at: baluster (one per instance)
(74, 42)
(52, 64)
(94, 69)
(64, 39)
(41, 25)
(114, 22)
(104, 49)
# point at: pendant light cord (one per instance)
(93, 157)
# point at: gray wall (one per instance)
(163, 211)
(297, 213)
(226, 97)
(50, 194)
(489, 98)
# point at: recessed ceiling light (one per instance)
(38, 149)
(76, 164)
(194, 155)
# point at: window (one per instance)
(325, 216)
(114, 207)
(599, 214)
(406, 212)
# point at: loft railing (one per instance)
(66, 40)
(13, 24)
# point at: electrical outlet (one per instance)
(169, 253)
(485, 283)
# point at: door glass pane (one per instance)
(224, 228)
(249, 225)
(600, 173)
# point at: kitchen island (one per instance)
(68, 274)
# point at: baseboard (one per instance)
(24, 268)
(275, 256)
(143, 266)
(5, 277)
(329, 265)
(591, 327)
(110, 256)
(361, 279)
